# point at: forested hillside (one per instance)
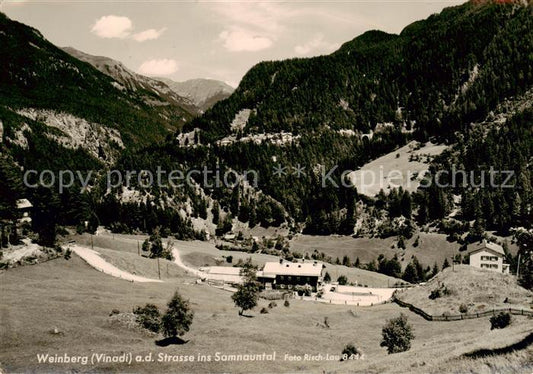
(461, 78)
(435, 76)
(451, 78)
(36, 74)
(59, 113)
(445, 78)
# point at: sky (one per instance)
(222, 40)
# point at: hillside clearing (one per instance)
(403, 167)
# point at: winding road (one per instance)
(188, 269)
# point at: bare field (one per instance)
(77, 300)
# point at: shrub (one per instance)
(401, 242)
(350, 352)
(148, 317)
(286, 303)
(397, 335)
(500, 321)
(229, 259)
(342, 280)
(435, 294)
(303, 290)
(68, 254)
(114, 311)
(463, 308)
(439, 292)
(446, 291)
(264, 311)
(272, 304)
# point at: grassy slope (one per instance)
(77, 300)
(480, 290)
(142, 266)
(513, 362)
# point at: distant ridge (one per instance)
(204, 93)
(133, 81)
(194, 95)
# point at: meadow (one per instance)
(64, 306)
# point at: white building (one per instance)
(225, 274)
(490, 256)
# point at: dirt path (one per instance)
(188, 269)
(93, 259)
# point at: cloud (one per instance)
(252, 15)
(252, 26)
(150, 34)
(159, 67)
(112, 27)
(239, 40)
(248, 26)
(317, 44)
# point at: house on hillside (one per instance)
(490, 256)
(288, 275)
(24, 209)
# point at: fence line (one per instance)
(458, 317)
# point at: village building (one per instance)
(287, 275)
(275, 275)
(490, 256)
